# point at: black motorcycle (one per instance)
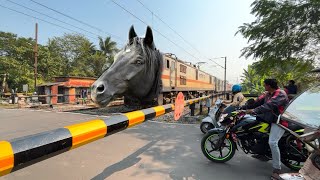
(241, 130)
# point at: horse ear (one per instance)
(132, 34)
(148, 39)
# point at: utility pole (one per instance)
(36, 57)
(4, 82)
(225, 76)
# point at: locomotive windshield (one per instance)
(305, 109)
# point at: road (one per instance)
(151, 150)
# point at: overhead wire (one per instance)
(175, 31)
(44, 20)
(79, 21)
(53, 18)
(154, 29)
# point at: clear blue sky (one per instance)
(208, 25)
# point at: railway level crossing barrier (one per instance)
(24, 151)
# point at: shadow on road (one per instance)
(124, 164)
(174, 152)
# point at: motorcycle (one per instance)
(211, 121)
(239, 129)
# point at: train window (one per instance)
(210, 80)
(183, 68)
(168, 64)
(183, 80)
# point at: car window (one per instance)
(305, 109)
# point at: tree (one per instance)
(292, 69)
(68, 55)
(252, 82)
(97, 63)
(108, 48)
(16, 60)
(283, 29)
(74, 51)
(284, 39)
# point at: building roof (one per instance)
(76, 77)
(51, 84)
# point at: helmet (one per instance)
(236, 88)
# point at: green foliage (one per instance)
(284, 39)
(68, 55)
(291, 69)
(108, 49)
(283, 29)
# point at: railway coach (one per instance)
(180, 76)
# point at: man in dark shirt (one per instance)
(267, 107)
(292, 88)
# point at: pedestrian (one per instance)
(84, 96)
(208, 104)
(193, 105)
(292, 88)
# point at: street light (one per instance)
(225, 71)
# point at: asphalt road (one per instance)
(151, 150)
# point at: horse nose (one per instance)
(100, 88)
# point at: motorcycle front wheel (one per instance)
(210, 148)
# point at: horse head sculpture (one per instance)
(134, 74)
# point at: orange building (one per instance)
(65, 89)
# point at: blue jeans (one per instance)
(276, 133)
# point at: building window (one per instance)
(168, 64)
(183, 80)
(183, 68)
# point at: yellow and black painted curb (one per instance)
(21, 152)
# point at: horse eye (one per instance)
(139, 62)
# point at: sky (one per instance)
(207, 27)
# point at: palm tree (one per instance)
(107, 46)
(252, 81)
(108, 49)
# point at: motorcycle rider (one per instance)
(238, 98)
(267, 107)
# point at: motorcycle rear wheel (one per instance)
(295, 165)
(205, 126)
(209, 147)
